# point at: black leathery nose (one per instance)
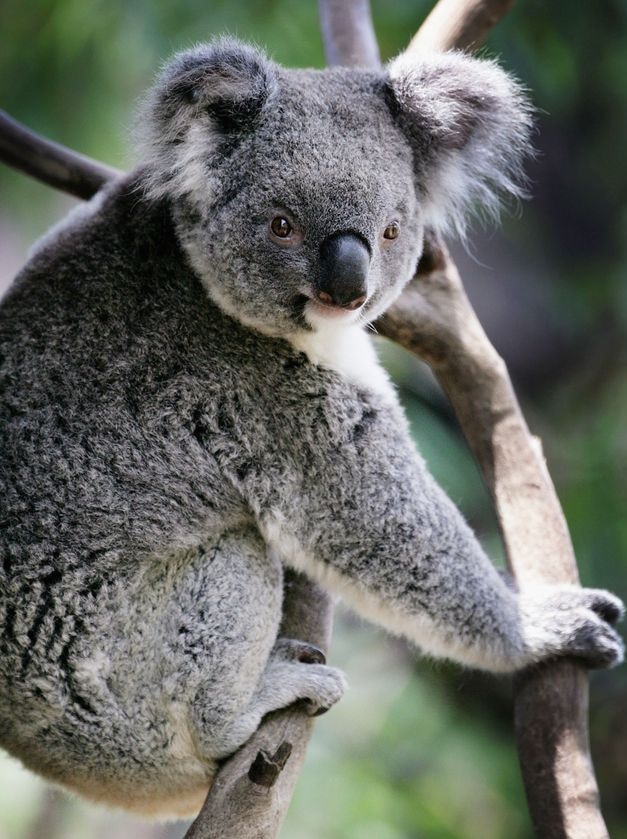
(344, 264)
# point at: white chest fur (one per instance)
(348, 350)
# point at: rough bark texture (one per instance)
(435, 320)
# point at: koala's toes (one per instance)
(594, 640)
(308, 654)
(596, 643)
(568, 620)
(290, 649)
(607, 606)
(322, 687)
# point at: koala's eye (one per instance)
(392, 231)
(281, 227)
(192, 95)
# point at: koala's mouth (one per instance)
(327, 303)
(333, 310)
(310, 312)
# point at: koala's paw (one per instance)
(320, 687)
(567, 620)
(297, 672)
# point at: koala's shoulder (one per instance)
(106, 230)
(313, 393)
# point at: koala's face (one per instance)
(301, 197)
(312, 214)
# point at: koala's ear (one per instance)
(212, 92)
(468, 123)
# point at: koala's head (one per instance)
(301, 196)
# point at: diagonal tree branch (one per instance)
(458, 24)
(49, 162)
(435, 320)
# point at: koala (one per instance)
(190, 402)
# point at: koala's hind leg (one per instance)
(296, 671)
(221, 643)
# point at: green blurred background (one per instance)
(416, 749)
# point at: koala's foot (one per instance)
(566, 620)
(322, 686)
(288, 680)
(295, 672)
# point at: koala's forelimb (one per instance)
(437, 322)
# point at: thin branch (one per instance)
(347, 33)
(458, 24)
(49, 162)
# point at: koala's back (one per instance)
(96, 372)
(118, 385)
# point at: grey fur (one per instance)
(178, 421)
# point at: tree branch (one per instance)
(49, 162)
(435, 320)
(347, 33)
(458, 24)
(252, 791)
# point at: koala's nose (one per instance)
(344, 263)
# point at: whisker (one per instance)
(363, 321)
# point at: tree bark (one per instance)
(458, 24)
(347, 33)
(49, 162)
(435, 320)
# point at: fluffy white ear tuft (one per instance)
(469, 125)
(207, 95)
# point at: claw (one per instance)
(319, 712)
(314, 710)
(309, 654)
(611, 610)
(295, 650)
